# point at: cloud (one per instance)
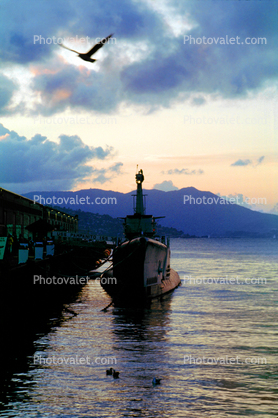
(106, 175)
(22, 23)
(7, 89)
(66, 85)
(183, 171)
(254, 203)
(165, 186)
(198, 101)
(59, 164)
(149, 65)
(242, 163)
(260, 160)
(226, 70)
(274, 210)
(116, 168)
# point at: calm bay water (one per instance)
(213, 342)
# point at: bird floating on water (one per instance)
(87, 55)
(115, 374)
(110, 371)
(156, 381)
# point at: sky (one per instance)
(185, 90)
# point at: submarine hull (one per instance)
(141, 270)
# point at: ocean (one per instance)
(213, 343)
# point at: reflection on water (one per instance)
(21, 324)
(197, 341)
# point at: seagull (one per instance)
(87, 55)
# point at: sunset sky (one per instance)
(167, 93)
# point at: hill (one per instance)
(105, 225)
(190, 210)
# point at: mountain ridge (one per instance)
(186, 209)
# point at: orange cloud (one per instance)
(61, 94)
(39, 70)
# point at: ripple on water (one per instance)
(213, 345)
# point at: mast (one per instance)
(139, 209)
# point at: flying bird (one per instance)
(87, 55)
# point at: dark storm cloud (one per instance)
(22, 21)
(227, 70)
(183, 171)
(169, 70)
(39, 159)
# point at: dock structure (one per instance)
(25, 223)
(28, 229)
(44, 262)
(31, 232)
(18, 213)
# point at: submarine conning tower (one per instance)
(139, 224)
(139, 209)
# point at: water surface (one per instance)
(213, 345)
